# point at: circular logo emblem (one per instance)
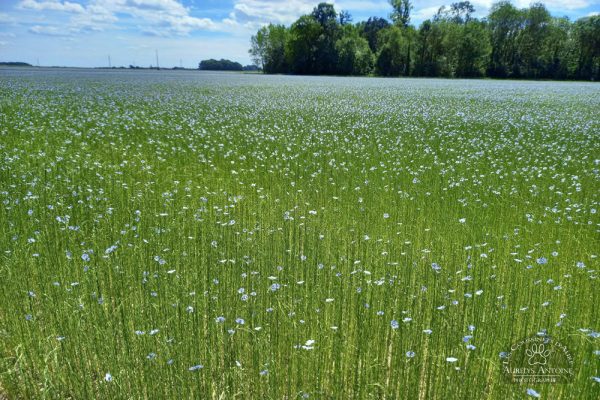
(538, 359)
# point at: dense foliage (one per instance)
(15, 64)
(508, 43)
(220, 65)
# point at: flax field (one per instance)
(185, 234)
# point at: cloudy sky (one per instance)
(85, 32)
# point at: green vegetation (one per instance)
(15, 64)
(224, 65)
(183, 235)
(220, 65)
(508, 43)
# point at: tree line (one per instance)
(224, 65)
(508, 43)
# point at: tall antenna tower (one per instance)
(109, 63)
(157, 66)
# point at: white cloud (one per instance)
(95, 19)
(48, 30)
(157, 17)
(7, 19)
(65, 6)
(380, 7)
(251, 14)
(424, 13)
(141, 7)
(186, 22)
(169, 25)
(275, 11)
(427, 8)
(557, 4)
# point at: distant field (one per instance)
(174, 235)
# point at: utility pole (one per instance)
(157, 67)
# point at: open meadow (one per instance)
(174, 235)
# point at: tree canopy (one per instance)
(220, 65)
(509, 42)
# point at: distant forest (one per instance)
(14, 64)
(510, 42)
(224, 65)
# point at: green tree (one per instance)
(345, 17)
(267, 48)
(325, 14)
(394, 57)
(311, 44)
(530, 40)
(510, 42)
(473, 50)
(559, 52)
(401, 12)
(453, 44)
(220, 65)
(326, 53)
(461, 12)
(588, 44)
(370, 31)
(505, 23)
(258, 48)
(354, 55)
(430, 49)
(301, 47)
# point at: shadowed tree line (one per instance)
(508, 43)
(224, 65)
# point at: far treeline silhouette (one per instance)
(508, 43)
(224, 65)
(15, 64)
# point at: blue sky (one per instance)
(84, 33)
